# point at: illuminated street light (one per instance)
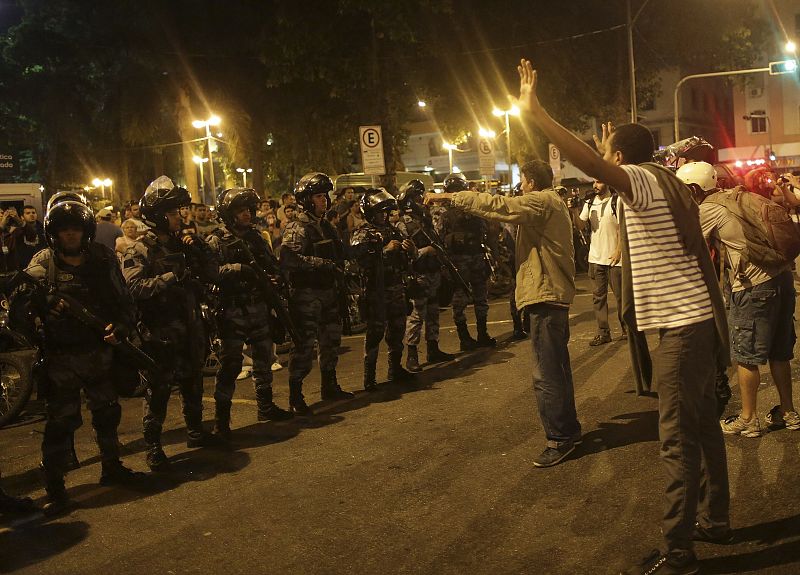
(790, 47)
(449, 147)
(484, 133)
(244, 172)
(421, 104)
(102, 184)
(213, 120)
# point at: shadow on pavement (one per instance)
(622, 430)
(35, 542)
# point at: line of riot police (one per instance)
(177, 295)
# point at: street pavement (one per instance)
(433, 479)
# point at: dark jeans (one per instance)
(603, 276)
(692, 448)
(552, 373)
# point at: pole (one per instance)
(676, 102)
(244, 178)
(450, 157)
(508, 150)
(631, 64)
(769, 141)
(210, 166)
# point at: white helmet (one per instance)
(701, 173)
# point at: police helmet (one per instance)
(456, 183)
(59, 197)
(161, 196)
(69, 213)
(411, 194)
(234, 199)
(310, 185)
(376, 200)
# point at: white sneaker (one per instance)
(789, 420)
(277, 366)
(244, 374)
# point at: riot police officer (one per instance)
(313, 256)
(78, 357)
(243, 314)
(465, 238)
(418, 226)
(165, 271)
(384, 254)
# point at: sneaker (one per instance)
(717, 536)
(244, 374)
(600, 339)
(788, 420)
(735, 425)
(658, 563)
(276, 366)
(553, 455)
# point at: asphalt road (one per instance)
(437, 479)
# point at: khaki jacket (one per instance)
(545, 258)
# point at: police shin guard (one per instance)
(330, 390)
(297, 403)
(412, 359)
(484, 339)
(467, 343)
(436, 355)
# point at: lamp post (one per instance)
(200, 161)
(212, 121)
(513, 111)
(244, 172)
(103, 184)
(450, 147)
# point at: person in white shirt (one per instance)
(605, 267)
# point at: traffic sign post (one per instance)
(486, 156)
(555, 162)
(371, 142)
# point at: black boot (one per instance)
(222, 420)
(467, 343)
(484, 340)
(396, 372)
(196, 436)
(412, 359)
(271, 412)
(156, 459)
(370, 384)
(330, 390)
(114, 473)
(9, 504)
(58, 501)
(436, 355)
(297, 403)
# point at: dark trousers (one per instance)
(692, 448)
(603, 276)
(552, 373)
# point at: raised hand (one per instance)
(602, 143)
(528, 99)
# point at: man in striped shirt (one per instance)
(670, 284)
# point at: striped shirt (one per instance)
(668, 286)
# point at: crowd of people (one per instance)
(685, 259)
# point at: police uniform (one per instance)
(384, 301)
(313, 256)
(165, 279)
(243, 316)
(78, 359)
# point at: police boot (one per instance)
(196, 436)
(297, 403)
(330, 390)
(268, 411)
(114, 473)
(436, 355)
(156, 459)
(370, 384)
(412, 359)
(484, 339)
(396, 372)
(222, 420)
(58, 501)
(9, 504)
(467, 343)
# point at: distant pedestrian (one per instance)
(107, 231)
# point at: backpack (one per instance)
(772, 238)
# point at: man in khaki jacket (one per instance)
(545, 264)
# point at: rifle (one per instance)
(80, 312)
(271, 294)
(441, 254)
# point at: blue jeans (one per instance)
(552, 373)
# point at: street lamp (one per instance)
(450, 147)
(790, 47)
(513, 111)
(102, 184)
(484, 133)
(200, 161)
(214, 120)
(421, 103)
(244, 172)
